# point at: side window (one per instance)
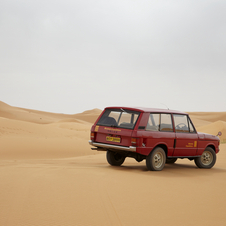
(181, 123)
(153, 122)
(166, 123)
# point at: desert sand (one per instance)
(49, 176)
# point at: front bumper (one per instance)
(111, 146)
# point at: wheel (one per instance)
(155, 161)
(207, 159)
(170, 160)
(114, 158)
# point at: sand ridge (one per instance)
(50, 176)
(35, 134)
(210, 122)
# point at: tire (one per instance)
(115, 158)
(207, 159)
(155, 161)
(170, 160)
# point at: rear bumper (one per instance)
(110, 146)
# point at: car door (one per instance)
(186, 139)
(159, 130)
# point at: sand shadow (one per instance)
(176, 169)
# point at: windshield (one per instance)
(119, 118)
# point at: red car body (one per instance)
(137, 132)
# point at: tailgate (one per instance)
(114, 136)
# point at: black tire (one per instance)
(114, 158)
(170, 160)
(156, 160)
(207, 159)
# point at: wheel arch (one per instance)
(211, 146)
(164, 147)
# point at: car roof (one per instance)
(143, 109)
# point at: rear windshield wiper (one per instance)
(123, 110)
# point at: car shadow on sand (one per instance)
(175, 169)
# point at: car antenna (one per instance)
(165, 105)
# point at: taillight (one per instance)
(92, 136)
(134, 141)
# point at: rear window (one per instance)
(119, 118)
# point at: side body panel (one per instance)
(205, 140)
(186, 144)
(150, 139)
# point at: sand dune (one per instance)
(40, 117)
(199, 122)
(209, 116)
(27, 115)
(210, 122)
(89, 116)
(214, 128)
(50, 176)
(34, 134)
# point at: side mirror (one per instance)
(219, 133)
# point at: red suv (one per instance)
(159, 136)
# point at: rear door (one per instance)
(186, 137)
(159, 130)
(116, 127)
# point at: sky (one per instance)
(75, 55)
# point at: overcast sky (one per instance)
(73, 55)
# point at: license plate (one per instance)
(114, 139)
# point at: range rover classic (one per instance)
(158, 136)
